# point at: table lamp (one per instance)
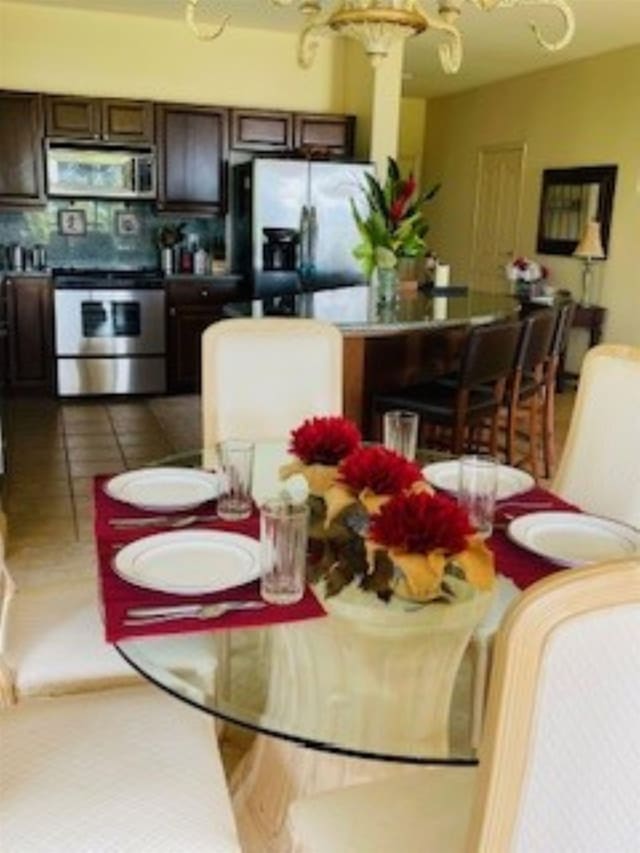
(588, 249)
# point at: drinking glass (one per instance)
(236, 459)
(284, 528)
(477, 489)
(401, 433)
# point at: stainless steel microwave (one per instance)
(84, 172)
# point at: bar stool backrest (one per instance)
(541, 327)
(564, 321)
(489, 354)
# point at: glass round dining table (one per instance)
(392, 683)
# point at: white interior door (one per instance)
(497, 214)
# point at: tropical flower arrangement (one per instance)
(394, 226)
(376, 522)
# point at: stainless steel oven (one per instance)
(110, 333)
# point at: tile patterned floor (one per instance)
(54, 450)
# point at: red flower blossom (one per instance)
(399, 205)
(419, 523)
(381, 470)
(324, 441)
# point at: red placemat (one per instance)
(523, 567)
(118, 596)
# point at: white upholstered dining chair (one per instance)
(600, 465)
(559, 766)
(51, 640)
(128, 770)
(263, 377)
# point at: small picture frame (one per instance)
(127, 224)
(72, 222)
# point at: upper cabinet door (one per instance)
(331, 134)
(127, 121)
(73, 118)
(192, 149)
(257, 130)
(21, 166)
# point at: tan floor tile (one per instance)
(139, 416)
(83, 507)
(82, 487)
(36, 488)
(93, 442)
(26, 467)
(89, 428)
(35, 529)
(46, 508)
(24, 443)
(89, 468)
(94, 454)
(148, 440)
(132, 434)
(85, 416)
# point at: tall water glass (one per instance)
(236, 459)
(477, 489)
(400, 433)
(284, 530)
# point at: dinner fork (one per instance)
(151, 615)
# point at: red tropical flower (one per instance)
(378, 469)
(418, 523)
(324, 440)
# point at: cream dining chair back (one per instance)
(262, 377)
(600, 465)
(559, 766)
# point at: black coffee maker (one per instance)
(280, 249)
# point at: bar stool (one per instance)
(470, 398)
(564, 321)
(527, 387)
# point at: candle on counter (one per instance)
(440, 304)
(442, 275)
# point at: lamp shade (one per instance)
(591, 244)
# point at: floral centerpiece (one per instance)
(375, 521)
(527, 276)
(394, 226)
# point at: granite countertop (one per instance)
(356, 311)
(25, 274)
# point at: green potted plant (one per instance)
(394, 226)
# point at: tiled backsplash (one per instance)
(102, 245)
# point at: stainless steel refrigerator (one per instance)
(294, 217)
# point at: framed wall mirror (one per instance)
(569, 199)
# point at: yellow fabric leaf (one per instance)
(421, 574)
(371, 501)
(337, 497)
(477, 563)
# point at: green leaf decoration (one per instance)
(383, 236)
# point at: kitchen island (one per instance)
(415, 338)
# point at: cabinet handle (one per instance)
(204, 293)
(172, 312)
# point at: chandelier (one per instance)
(379, 24)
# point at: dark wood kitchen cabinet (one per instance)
(192, 307)
(333, 134)
(21, 156)
(127, 121)
(261, 130)
(30, 333)
(73, 118)
(192, 158)
(109, 119)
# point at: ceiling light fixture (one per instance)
(378, 24)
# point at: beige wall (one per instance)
(581, 113)
(73, 51)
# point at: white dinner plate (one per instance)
(574, 539)
(189, 562)
(511, 481)
(164, 489)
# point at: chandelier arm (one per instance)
(204, 34)
(562, 7)
(309, 42)
(449, 52)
